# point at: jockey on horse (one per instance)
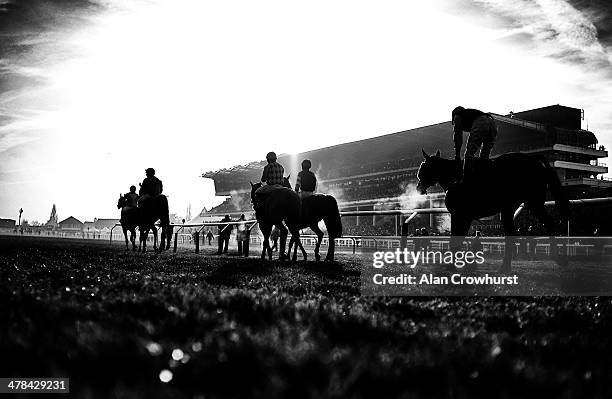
(131, 198)
(150, 188)
(482, 133)
(273, 174)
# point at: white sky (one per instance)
(190, 86)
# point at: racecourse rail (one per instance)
(380, 242)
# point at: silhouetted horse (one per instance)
(145, 218)
(129, 221)
(500, 187)
(279, 205)
(315, 208)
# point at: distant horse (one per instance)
(500, 187)
(145, 218)
(279, 205)
(315, 208)
(129, 221)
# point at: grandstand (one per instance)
(380, 172)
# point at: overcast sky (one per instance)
(94, 92)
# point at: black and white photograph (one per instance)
(322, 199)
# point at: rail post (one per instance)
(196, 237)
(111, 233)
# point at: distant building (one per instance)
(71, 224)
(100, 224)
(7, 224)
(52, 222)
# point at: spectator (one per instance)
(225, 230)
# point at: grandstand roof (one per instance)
(548, 123)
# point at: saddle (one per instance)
(264, 191)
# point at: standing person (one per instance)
(225, 231)
(150, 187)
(209, 237)
(243, 236)
(306, 183)
(482, 133)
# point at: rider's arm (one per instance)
(161, 187)
(457, 136)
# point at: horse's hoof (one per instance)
(294, 259)
(318, 258)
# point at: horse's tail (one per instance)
(164, 210)
(554, 185)
(332, 220)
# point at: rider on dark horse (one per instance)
(482, 133)
(272, 176)
(131, 198)
(306, 183)
(150, 188)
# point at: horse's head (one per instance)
(254, 188)
(121, 202)
(428, 174)
(286, 182)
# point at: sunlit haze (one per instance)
(114, 87)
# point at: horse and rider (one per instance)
(276, 204)
(481, 187)
(143, 210)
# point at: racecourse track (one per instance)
(119, 322)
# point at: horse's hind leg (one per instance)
(133, 239)
(154, 238)
(266, 230)
(127, 245)
(283, 241)
(319, 233)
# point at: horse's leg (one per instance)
(266, 230)
(460, 225)
(133, 238)
(319, 233)
(162, 240)
(331, 250)
(507, 218)
(127, 245)
(283, 240)
(295, 237)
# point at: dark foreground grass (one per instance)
(111, 321)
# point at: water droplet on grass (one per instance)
(154, 348)
(165, 376)
(177, 354)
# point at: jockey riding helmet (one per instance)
(271, 157)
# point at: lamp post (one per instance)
(20, 212)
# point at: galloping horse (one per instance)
(279, 205)
(510, 180)
(315, 208)
(144, 218)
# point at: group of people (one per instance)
(274, 174)
(243, 235)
